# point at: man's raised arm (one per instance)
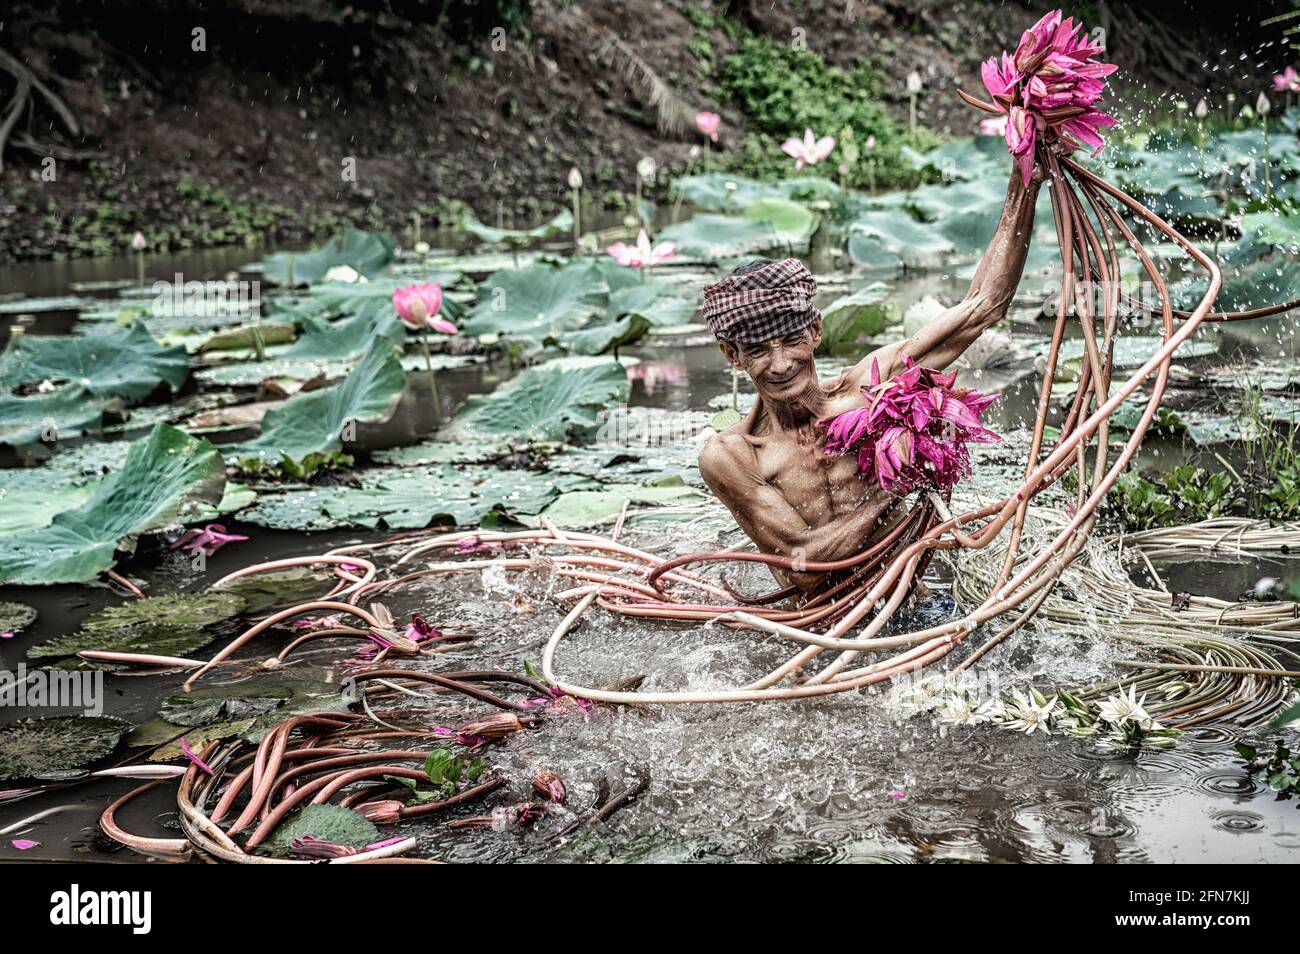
(943, 340)
(730, 470)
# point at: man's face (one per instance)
(782, 368)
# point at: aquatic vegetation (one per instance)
(368, 253)
(1052, 82)
(163, 476)
(111, 362)
(808, 151)
(643, 255)
(56, 747)
(1281, 766)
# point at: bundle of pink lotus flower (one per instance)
(1050, 86)
(914, 429)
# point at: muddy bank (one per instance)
(277, 122)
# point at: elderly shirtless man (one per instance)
(769, 469)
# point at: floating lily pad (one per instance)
(164, 474)
(165, 737)
(314, 422)
(263, 592)
(538, 301)
(367, 252)
(849, 320)
(445, 452)
(174, 625)
(58, 747)
(106, 363)
(68, 412)
(213, 703)
(332, 823)
(549, 401)
(590, 508)
(16, 617)
(411, 498)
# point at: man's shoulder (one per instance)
(724, 449)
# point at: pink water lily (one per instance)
(23, 844)
(642, 254)
(418, 306)
(198, 762)
(708, 123)
(913, 431)
(207, 541)
(809, 151)
(7, 634)
(1051, 82)
(1288, 81)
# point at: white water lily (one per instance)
(1030, 715)
(957, 708)
(925, 694)
(1120, 709)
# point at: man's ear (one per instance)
(815, 329)
(729, 351)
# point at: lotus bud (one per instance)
(548, 784)
(645, 168)
(914, 82)
(693, 153)
(1262, 105)
(384, 812)
(1202, 108)
(871, 142)
(138, 244)
(575, 178)
(496, 726)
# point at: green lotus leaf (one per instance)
(163, 476)
(109, 363)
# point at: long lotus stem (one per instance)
(433, 379)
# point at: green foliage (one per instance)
(1281, 766)
(1272, 459)
(1186, 494)
(782, 91)
(448, 774)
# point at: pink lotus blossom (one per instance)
(913, 431)
(207, 541)
(420, 630)
(896, 793)
(643, 254)
(1052, 82)
(809, 151)
(7, 634)
(1288, 81)
(23, 844)
(708, 123)
(418, 306)
(189, 754)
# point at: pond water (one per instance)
(844, 779)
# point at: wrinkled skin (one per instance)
(770, 470)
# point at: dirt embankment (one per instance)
(207, 123)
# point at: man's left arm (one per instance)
(944, 340)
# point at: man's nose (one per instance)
(781, 363)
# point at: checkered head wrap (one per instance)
(771, 301)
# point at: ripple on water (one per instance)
(1233, 783)
(1210, 735)
(1237, 821)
